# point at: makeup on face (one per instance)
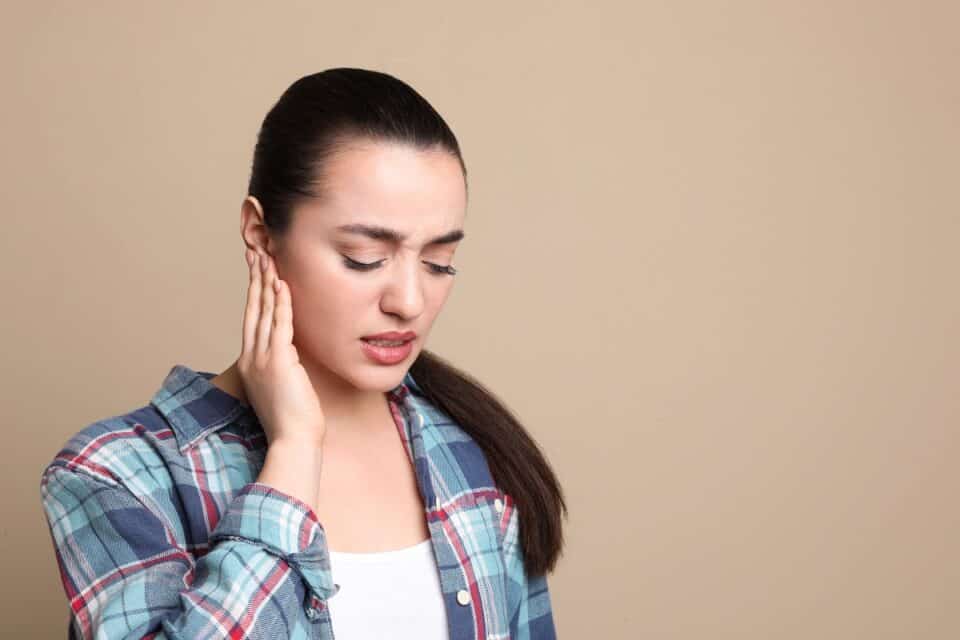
(386, 355)
(353, 253)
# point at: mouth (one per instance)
(390, 338)
(385, 343)
(387, 351)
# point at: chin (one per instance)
(373, 377)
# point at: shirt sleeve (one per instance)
(531, 611)
(266, 573)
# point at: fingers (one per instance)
(283, 329)
(251, 315)
(267, 301)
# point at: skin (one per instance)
(420, 194)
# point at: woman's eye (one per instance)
(361, 266)
(439, 269)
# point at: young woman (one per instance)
(338, 479)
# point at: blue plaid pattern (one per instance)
(161, 530)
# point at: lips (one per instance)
(387, 355)
(400, 336)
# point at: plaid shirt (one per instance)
(161, 531)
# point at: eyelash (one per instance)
(437, 269)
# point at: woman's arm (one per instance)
(126, 577)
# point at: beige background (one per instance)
(712, 263)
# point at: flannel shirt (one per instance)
(161, 530)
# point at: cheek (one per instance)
(435, 298)
(438, 294)
(327, 301)
(321, 279)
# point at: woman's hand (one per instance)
(275, 383)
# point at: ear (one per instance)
(253, 231)
(251, 207)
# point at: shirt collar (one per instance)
(194, 407)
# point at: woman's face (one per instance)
(421, 196)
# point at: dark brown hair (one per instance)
(314, 118)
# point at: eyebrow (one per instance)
(395, 237)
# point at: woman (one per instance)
(337, 480)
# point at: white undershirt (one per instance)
(388, 594)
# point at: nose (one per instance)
(403, 294)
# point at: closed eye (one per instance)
(438, 269)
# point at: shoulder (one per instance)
(112, 449)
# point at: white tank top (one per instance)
(388, 594)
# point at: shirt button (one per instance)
(463, 597)
(498, 505)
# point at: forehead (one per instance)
(416, 191)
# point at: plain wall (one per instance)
(711, 264)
